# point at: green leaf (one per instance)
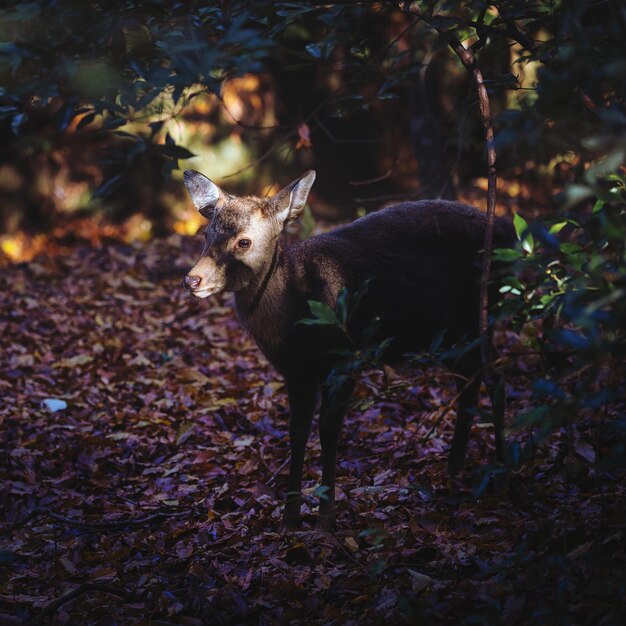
(557, 227)
(185, 431)
(523, 233)
(321, 492)
(520, 225)
(533, 417)
(528, 243)
(618, 178)
(506, 255)
(598, 206)
(358, 296)
(483, 477)
(570, 248)
(515, 283)
(323, 312)
(312, 321)
(343, 305)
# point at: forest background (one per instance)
(139, 464)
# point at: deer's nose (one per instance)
(192, 282)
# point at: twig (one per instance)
(371, 181)
(338, 544)
(243, 124)
(277, 472)
(265, 155)
(590, 105)
(342, 139)
(392, 196)
(446, 410)
(22, 522)
(137, 521)
(280, 141)
(52, 608)
(271, 480)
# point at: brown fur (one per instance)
(423, 259)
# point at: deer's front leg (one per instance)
(332, 412)
(302, 398)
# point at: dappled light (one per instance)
(210, 126)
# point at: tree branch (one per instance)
(99, 526)
(47, 615)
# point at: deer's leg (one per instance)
(497, 393)
(468, 370)
(468, 385)
(332, 412)
(302, 398)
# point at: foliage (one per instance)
(569, 284)
(134, 77)
(366, 349)
(118, 58)
(354, 354)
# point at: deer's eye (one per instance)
(244, 243)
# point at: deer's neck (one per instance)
(262, 297)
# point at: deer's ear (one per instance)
(289, 202)
(204, 192)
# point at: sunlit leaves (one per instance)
(523, 233)
(131, 59)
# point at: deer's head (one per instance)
(241, 236)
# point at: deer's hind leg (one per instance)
(469, 375)
(467, 380)
(332, 412)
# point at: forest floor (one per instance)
(155, 495)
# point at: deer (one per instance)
(422, 260)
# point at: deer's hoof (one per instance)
(326, 523)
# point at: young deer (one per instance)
(423, 259)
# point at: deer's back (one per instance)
(423, 259)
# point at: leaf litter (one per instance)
(144, 458)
